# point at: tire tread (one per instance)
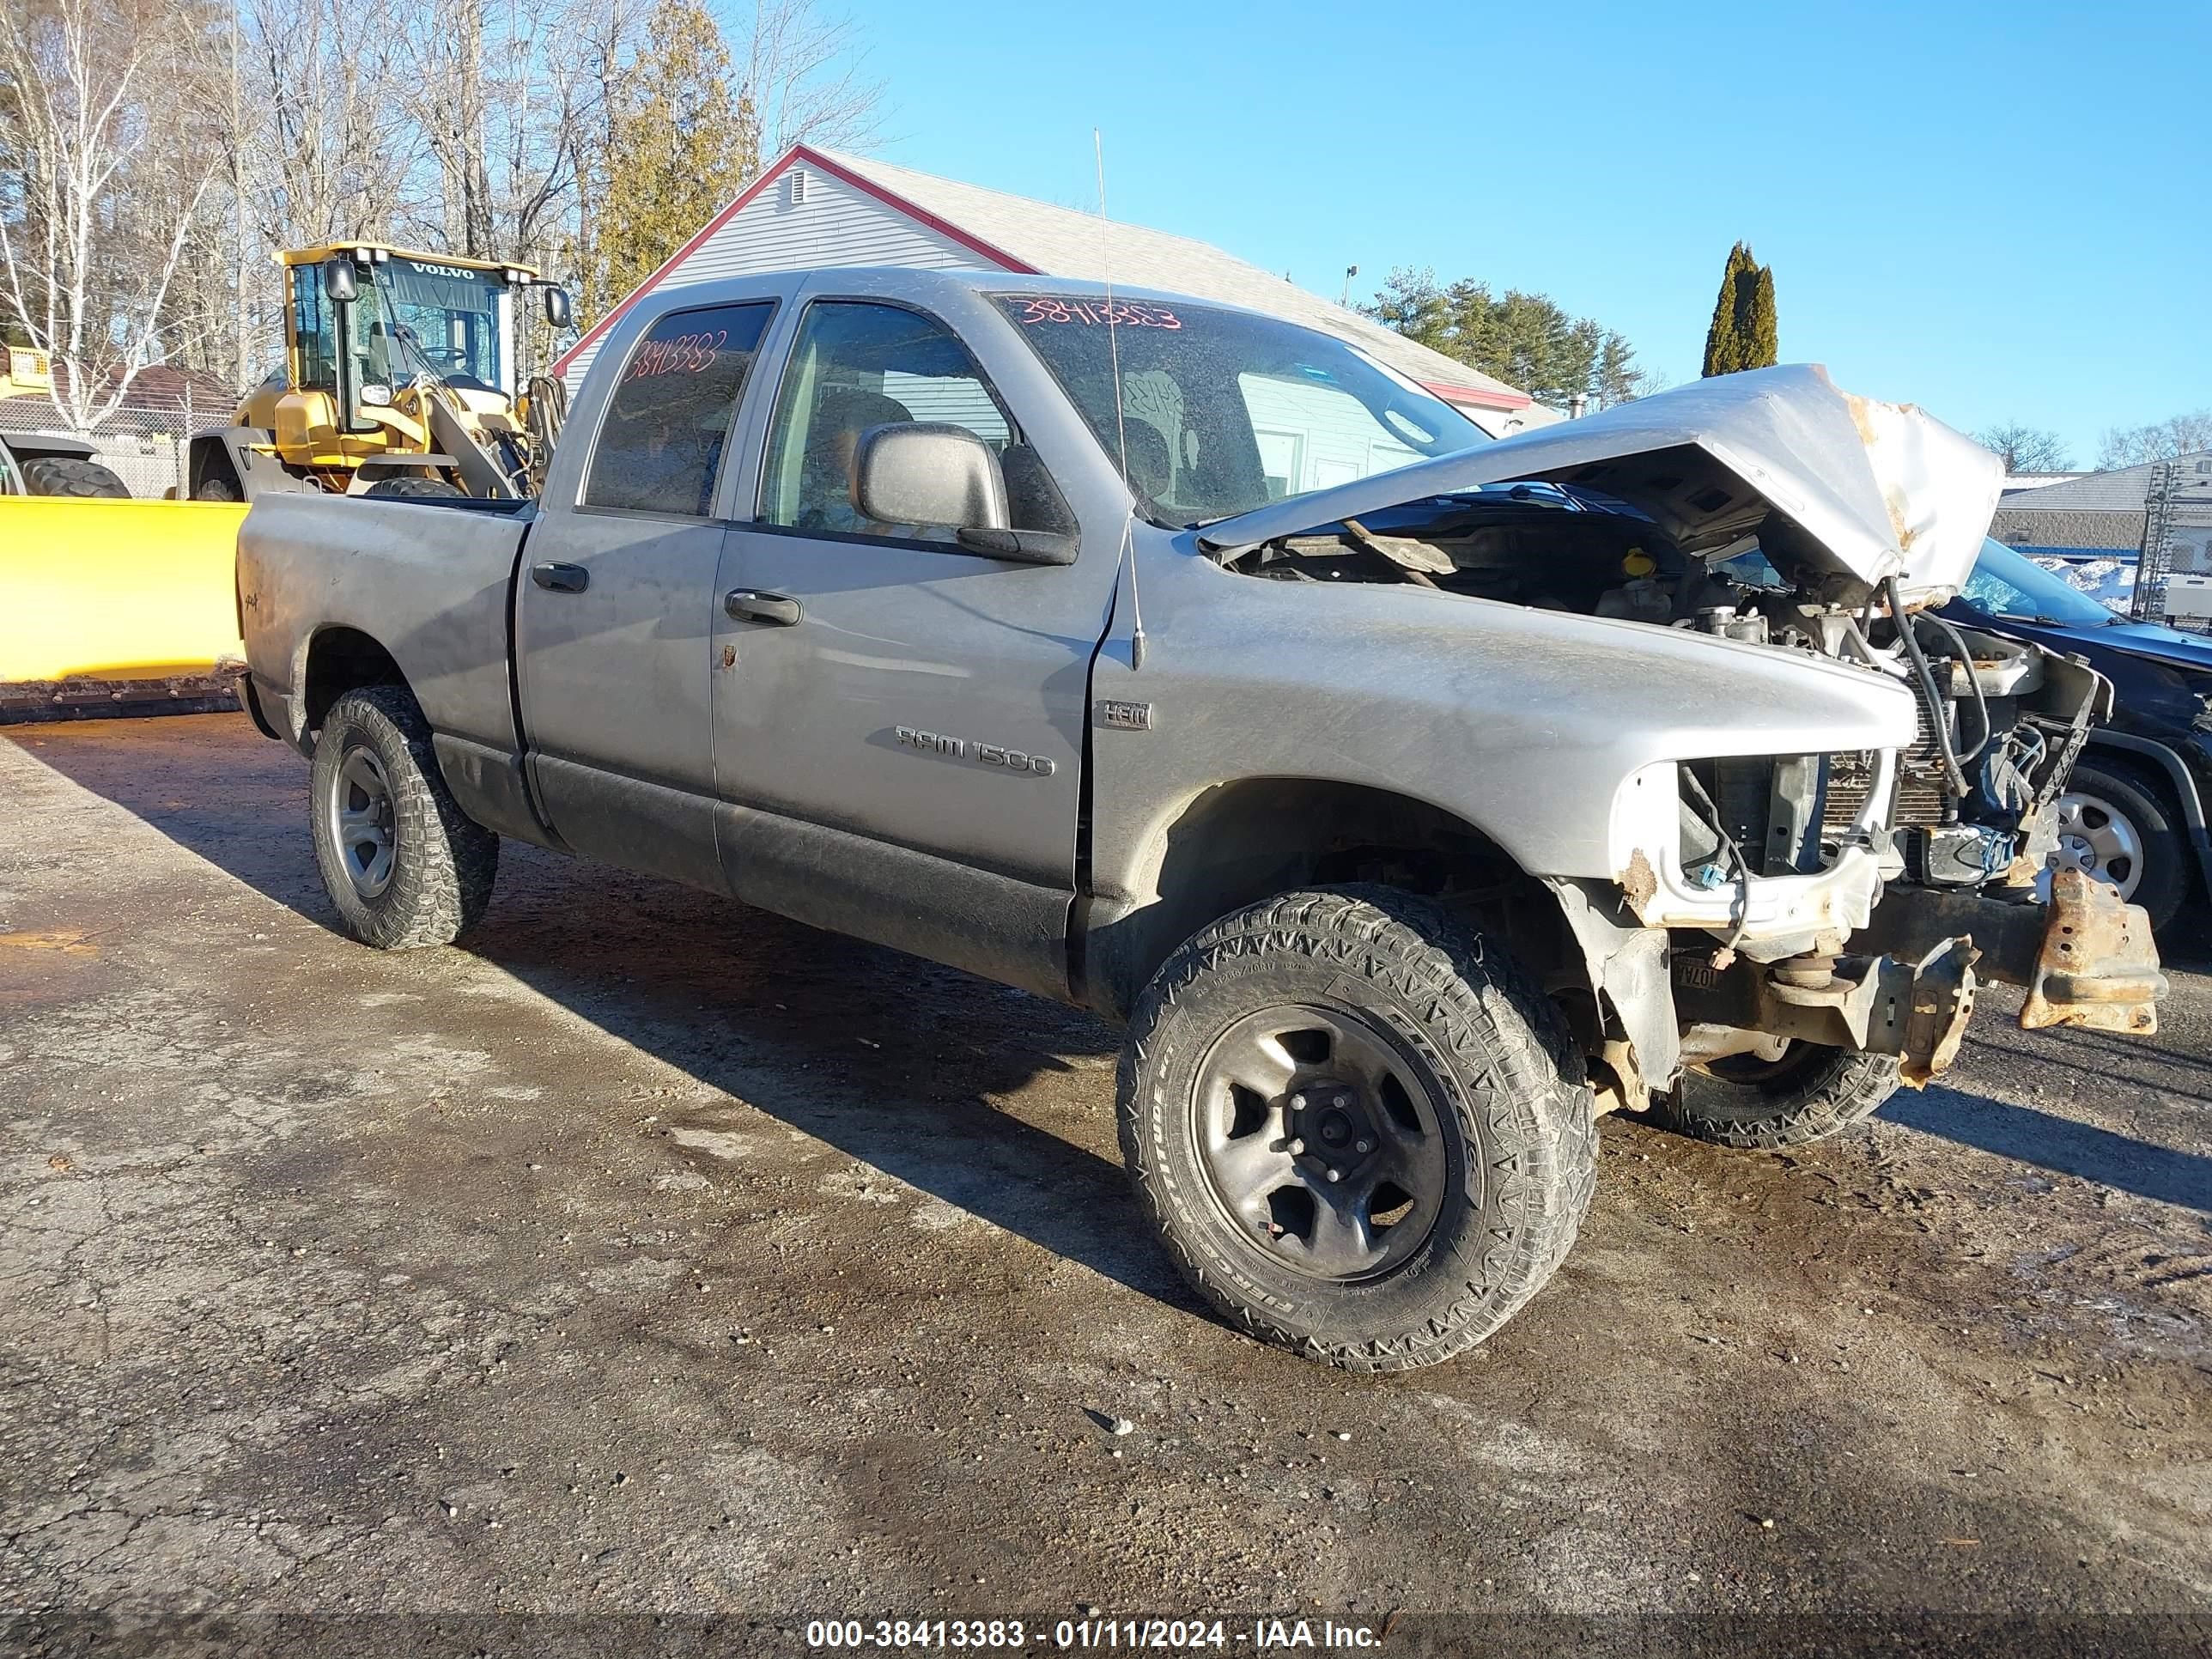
(444, 885)
(1546, 1130)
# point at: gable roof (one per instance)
(2123, 489)
(1018, 235)
(1065, 242)
(157, 389)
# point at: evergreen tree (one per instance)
(1526, 340)
(1724, 351)
(1743, 332)
(1758, 338)
(679, 146)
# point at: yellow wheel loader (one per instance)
(400, 377)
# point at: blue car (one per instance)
(2134, 811)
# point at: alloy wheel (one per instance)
(363, 816)
(2098, 837)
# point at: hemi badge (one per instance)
(1128, 716)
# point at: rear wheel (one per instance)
(2118, 829)
(1362, 1134)
(218, 486)
(65, 475)
(1810, 1093)
(420, 489)
(404, 866)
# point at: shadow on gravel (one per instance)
(2057, 1144)
(891, 1060)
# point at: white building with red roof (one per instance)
(820, 208)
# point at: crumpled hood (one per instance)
(1869, 490)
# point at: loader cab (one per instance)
(410, 315)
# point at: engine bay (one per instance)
(2000, 722)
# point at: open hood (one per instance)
(1865, 490)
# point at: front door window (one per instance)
(856, 367)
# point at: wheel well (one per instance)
(342, 659)
(1241, 842)
(2139, 770)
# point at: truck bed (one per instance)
(431, 582)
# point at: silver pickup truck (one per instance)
(1412, 797)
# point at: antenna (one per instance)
(1121, 420)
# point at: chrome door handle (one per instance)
(743, 605)
(561, 578)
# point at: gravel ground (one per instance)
(653, 1256)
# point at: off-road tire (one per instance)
(444, 863)
(218, 486)
(423, 489)
(2163, 886)
(1508, 1091)
(1812, 1093)
(65, 475)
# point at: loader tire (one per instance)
(218, 486)
(1362, 1132)
(65, 475)
(1810, 1093)
(421, 489)
(404, 866)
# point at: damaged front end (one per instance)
(1851, 899)
(1906, 986)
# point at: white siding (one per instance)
(837, 225)
(1313, 436)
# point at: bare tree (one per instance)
(2026, 448)
(2160, 440)
(805, 71)
(155, 154)
(96, 205)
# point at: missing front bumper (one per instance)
(2086, 958)
(1916, 1009)
(1907, 989)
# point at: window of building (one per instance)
(661, 447)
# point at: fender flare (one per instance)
(2177, 774)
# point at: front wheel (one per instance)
(1361, 1132)
(2117, 828)
(1810, 1093)
(404, 866)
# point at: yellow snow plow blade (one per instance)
(116, 590)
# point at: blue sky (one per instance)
(1999, 213)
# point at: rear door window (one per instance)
(667, 425)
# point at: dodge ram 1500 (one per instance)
(1412, 797)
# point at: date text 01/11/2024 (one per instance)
(1263, 1635)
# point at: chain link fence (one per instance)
(146, 448)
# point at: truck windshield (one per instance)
(416, 316)
(1223, 412)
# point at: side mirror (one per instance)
(556, 307)
(340, 286)
(921, 472)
